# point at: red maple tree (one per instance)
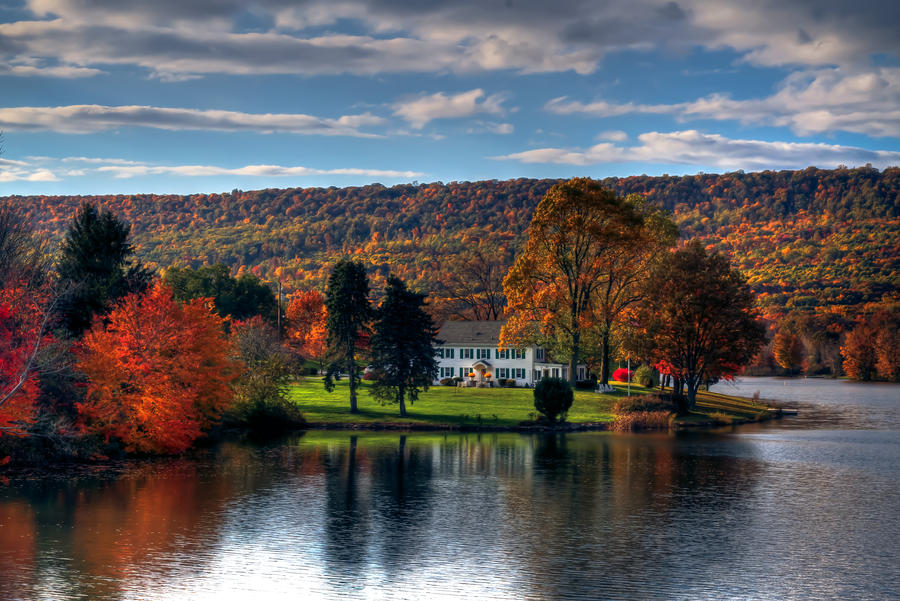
(159, 372)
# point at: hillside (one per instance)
(812, 238)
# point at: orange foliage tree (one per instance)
(858, 351)
(306, 328)
(159, 372)
(23, 324)
(789, 351)
(578, 274)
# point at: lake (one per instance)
(801, 508)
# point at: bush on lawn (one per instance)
(621, 375)
(553, 397)
(642, 403)
(645, 376)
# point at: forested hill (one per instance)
(810, 238)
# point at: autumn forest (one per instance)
(820, 250)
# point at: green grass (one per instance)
(443, 405)
(724, 409)
(500, 407)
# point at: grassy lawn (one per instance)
(724, 408)
(503, 407)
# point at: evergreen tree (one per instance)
(403, 346)
(95, 268)
(349, 313)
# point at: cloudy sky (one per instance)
(121, 96)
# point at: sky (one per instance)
(188, 96)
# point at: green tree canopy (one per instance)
(403, 346)
(240, 297)
(349, 314)
(95, 267)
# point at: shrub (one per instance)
(457, 380)
(273, 415)
(621, 375)
(553, 397)
(585, 384)
(447, 382)
(645, 376)
(642, 403)
(642, 420)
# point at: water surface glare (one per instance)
(790, 510)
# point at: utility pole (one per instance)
(278, 308)
(628, 377)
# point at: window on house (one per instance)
(483, 353)
(503, 372)
(446, 372)
(466, 353)
(539, 354)
(555, 372)
(518, 353)
(439, 352)
(581, 373)
(519, 373)
(537, 375)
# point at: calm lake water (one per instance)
(804, 508)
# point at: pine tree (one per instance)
(403, 346)
(349, 313)
(95, 267)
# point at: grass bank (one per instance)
(444, 407)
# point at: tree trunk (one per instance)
(401, 398)
(351, 370)
(604, 359)
(573, 358)
(693, 384)
(681, 401)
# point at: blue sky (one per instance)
(127, 96)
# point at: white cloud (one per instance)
(419, 111)
(47, 168)
(826, 100)
(488, 127)
(615, 135)
(176, 39)
(129, 171)
(17, 171)
(691, 147)
(88, 118)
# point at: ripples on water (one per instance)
(773, 512)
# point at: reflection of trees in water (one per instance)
(377, 499)
(17, 550)
(609, 515)
(347, 525)
(93, 533)
(401, 495)
(586, 515)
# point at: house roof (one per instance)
(471, 332)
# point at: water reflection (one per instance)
(499, 516)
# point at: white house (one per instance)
(473, 347)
